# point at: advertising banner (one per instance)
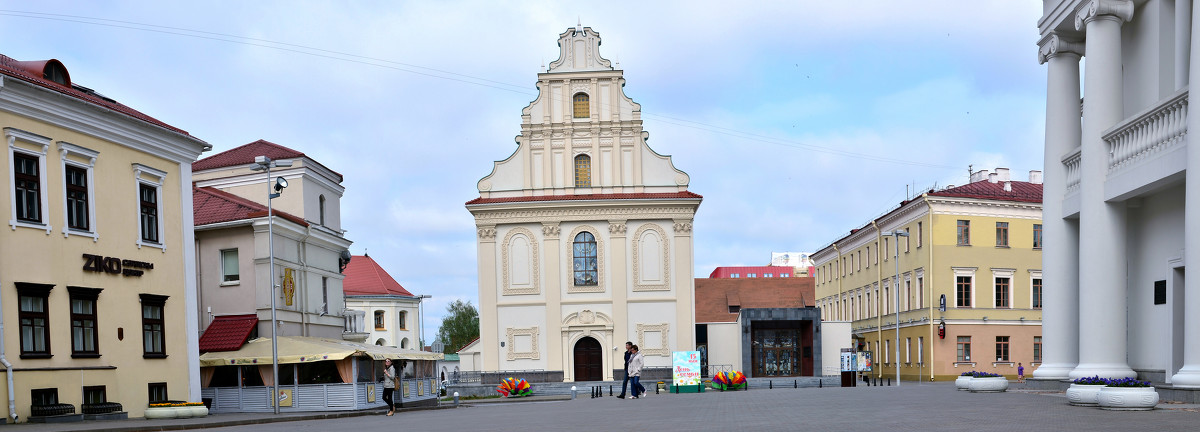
(686, 368)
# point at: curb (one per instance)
(264, 420)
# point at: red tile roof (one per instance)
(212, 205)
(983, 189)
(364, 276)
(244, 155)
(31, 72)
(587, 197)
(227, 333)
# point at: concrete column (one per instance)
(684, 286)
(1060, 238)
(552, 288)
(1183, 42)
(1102, 270)
(1189, 375)
(489, 333)
(618, 284)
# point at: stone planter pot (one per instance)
(196, 411)
(988, 385)
(1083, 395)
(1127, 398)
(160, 413)
(963, 382)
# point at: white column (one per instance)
(190, 286)
(1189, 375)
(1060, 238)
(1102, 286)
(1183, 42)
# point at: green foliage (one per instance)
(459, 326)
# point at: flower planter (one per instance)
(1127, 398)
(1083, 394)
(988, 385)
(196, 410)
(156, 413)
(963, 382)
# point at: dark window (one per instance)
(325, 294)
(403, 320)
(83, 322)
(157, 392)
(379, 320)
(963, 291)
(1002, 285)
(77, 198)
(1037, 348)
(94, 395)
(153, 339)
(148, 197)
(964, 348)
(964, 232)
(1160, 292)
(321, 202)
(1037, 236)
(585, 259)
(35, 320)
(1037, 293)
(1001, 348)
(27, 184)
(1002, 234)
(229, 266)
(43, 397)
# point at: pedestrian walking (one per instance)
(628, 352)
(1020, 373)
(635, 373)
(389, 384)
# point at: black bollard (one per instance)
(771, 385)
(656, 389)
(889, 382)
(610, 390)
(821, 383)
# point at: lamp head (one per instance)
(280, 184)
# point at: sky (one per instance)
(796, 120)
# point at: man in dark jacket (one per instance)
(628, 353)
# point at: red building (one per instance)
(752, 272)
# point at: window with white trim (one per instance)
(149, 205)
(79, 209)
(27, 175)
(230, 273)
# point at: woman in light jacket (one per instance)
(389, 382)
(635, 373)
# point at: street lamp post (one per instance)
(263, 163)
(421, 318)
(896, 302)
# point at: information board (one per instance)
(686, 367)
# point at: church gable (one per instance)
(582, 135)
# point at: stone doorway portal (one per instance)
(589, 360)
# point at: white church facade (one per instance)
(584, 233)
(1120, 185)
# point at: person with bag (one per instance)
(389, 385)
(635, 374)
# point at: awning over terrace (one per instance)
(300, 349)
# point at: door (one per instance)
(589, 361)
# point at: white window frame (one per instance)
(66, 150)
(966, 272)
(920, 275)
(1036, 274)
(920, 350)
(998, 273)
(908, 350)
(142, 175)
(908, 291)
(238, 255)
(12, 135)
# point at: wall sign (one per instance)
(113, 265)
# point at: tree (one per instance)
(459, 326)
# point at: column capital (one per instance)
(1053, 45)
(1120, 10)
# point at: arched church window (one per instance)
(582, 108)
(583, 171)
(585, 259)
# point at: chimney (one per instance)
(1008, 186)
(949, 187)
(1002, 174)
(992, 178)
(978, 176)
(1035, 177)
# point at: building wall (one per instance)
(725, 345)
(47, 256)
(392, 333)
(217, 296)
(1154, 240)
(835, 335)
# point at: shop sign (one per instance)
(114, 265)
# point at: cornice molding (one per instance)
(1118, 10)
(516, 216)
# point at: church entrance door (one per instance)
(589, 360)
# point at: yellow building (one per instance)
(97, 269)
(975, 247)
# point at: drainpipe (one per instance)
(303, 285)
(12, 401)
(879, 297)
(930, 286)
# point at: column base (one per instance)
(1103, 370)
(1056, 371)
(1187, 377)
